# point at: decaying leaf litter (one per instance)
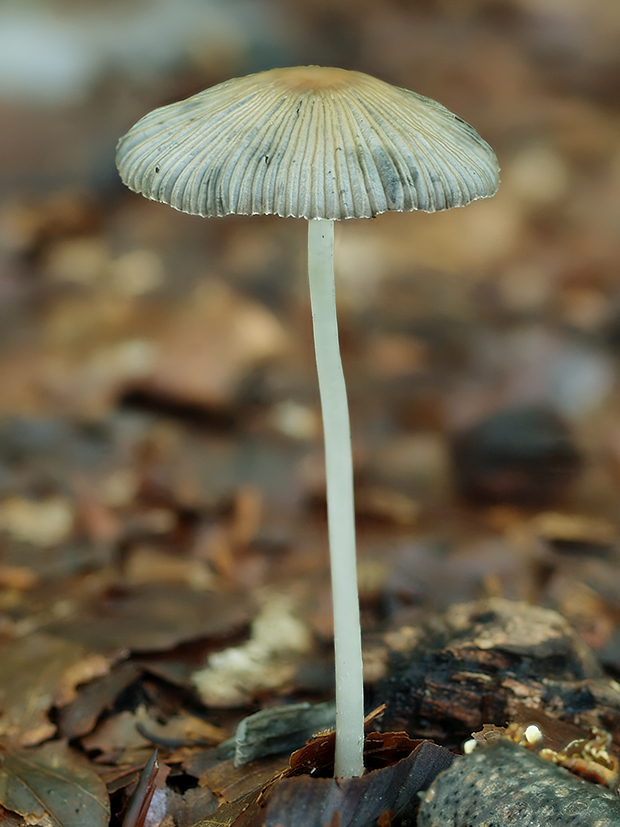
(136, 484)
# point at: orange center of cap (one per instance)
(311, 78)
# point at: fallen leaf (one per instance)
(140, 801)
(34, 670)
(183, 810)
(228, 813)
(81, 672)
(43, 523)
(148, 564)
(399, 767)
(351, 802)
(53, 780)
(303, 801)
(182, 730)
(20, 578)
(267, 661)
(575, 530)
(229, 783)
(8, 819)
(211, 343)
(152, 618)
(80, 716)
(118, 740)
(381, 749)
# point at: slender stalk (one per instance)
(340, 511)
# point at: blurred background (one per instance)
(156, 369)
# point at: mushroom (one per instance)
(322, 144)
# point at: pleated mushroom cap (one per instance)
(307, 142)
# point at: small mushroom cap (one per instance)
(307, 142)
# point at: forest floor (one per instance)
(163, 548)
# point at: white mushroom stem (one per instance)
(340, 510)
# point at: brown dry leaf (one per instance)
(98, 522)
(118, 739)
(211, 343)
(353, 802)
(80, 716)
(383, 749)
(155, 804)
(380, 749)
(94, 346)
(392, 356)
(385, 504)
(46, 522)
(19, 578)
(574, 529)
(227, 814)
(149, 564)
(184, 810)
(153, 618)
(119, 777)
(53, 780)
(93, 385)
(34, 672)
(26, 222)
(184, 729)
(8, 819)
(267, 661)
(77, 260)
(126, 737)
(229, 783)
(83, 671)
(21, 382)
(152, 778)
(247, 515)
